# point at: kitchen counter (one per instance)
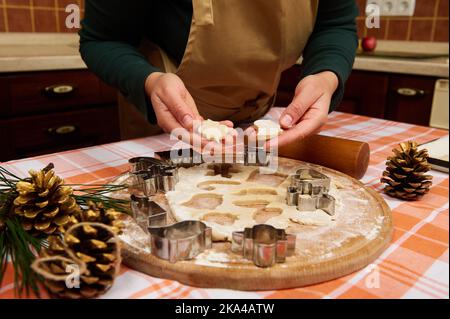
(432, 66)
(25, 52)
(22, 52)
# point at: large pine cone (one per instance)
(90, 248)
(44, 204)
(93, 245)
(405, 173)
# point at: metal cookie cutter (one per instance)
(309, 191)
(152, 175)
(147, 213)
(264, 245)
(186, 157)
(180, 241)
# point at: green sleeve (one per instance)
(111, 32)
(333, 44)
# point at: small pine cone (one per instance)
(92, 246)
(44, 204)
(60, 275)
(96, 213)
(405, 173)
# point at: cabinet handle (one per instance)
(410, 92)
(59, 90)
(62, 130)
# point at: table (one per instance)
(415, 265)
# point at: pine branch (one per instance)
(96, 193)
(20, 246)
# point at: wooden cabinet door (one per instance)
(410, 99)
(365, 94)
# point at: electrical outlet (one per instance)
(405, 7)
(392, 7)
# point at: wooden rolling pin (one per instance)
(346, 156)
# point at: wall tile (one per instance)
(443, 8)
(427, 24)
(421, 30)
(398, 29)
(441, 32)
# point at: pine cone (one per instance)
(405, 173)
(44, 204)
(86, 243)
(94, 249)
(96, 213)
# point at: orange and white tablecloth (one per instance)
(415, 265)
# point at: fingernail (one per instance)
(287, 120)
(187, 121)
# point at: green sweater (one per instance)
(113, 29)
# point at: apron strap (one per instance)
(203, 12)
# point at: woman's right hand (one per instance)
(173, 105)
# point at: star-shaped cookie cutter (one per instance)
(309, 191)
(152, 175)
(265, 245)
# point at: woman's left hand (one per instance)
(309, 109)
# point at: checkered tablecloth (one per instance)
(415, 265)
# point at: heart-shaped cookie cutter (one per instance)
(265, 245)
(309, 191)
(180, 241)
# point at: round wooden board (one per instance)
(335, 252)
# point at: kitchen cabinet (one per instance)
(396, 97)
(46, 112)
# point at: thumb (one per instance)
(299, 105)
(178, 106)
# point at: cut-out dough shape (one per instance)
(263, 215)
(213, 131)
(266, 129)
(273, 180)
(209, 185)
(224, 219)
(252, 203)
(225, 170)
(256, 191)
(205, 201)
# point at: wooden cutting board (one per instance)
(361, 231)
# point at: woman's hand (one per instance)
(309, 109)
(173, 105)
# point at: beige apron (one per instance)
(236, 52)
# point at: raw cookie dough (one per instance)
(213, 131)
(267, 129)
(248, 198)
